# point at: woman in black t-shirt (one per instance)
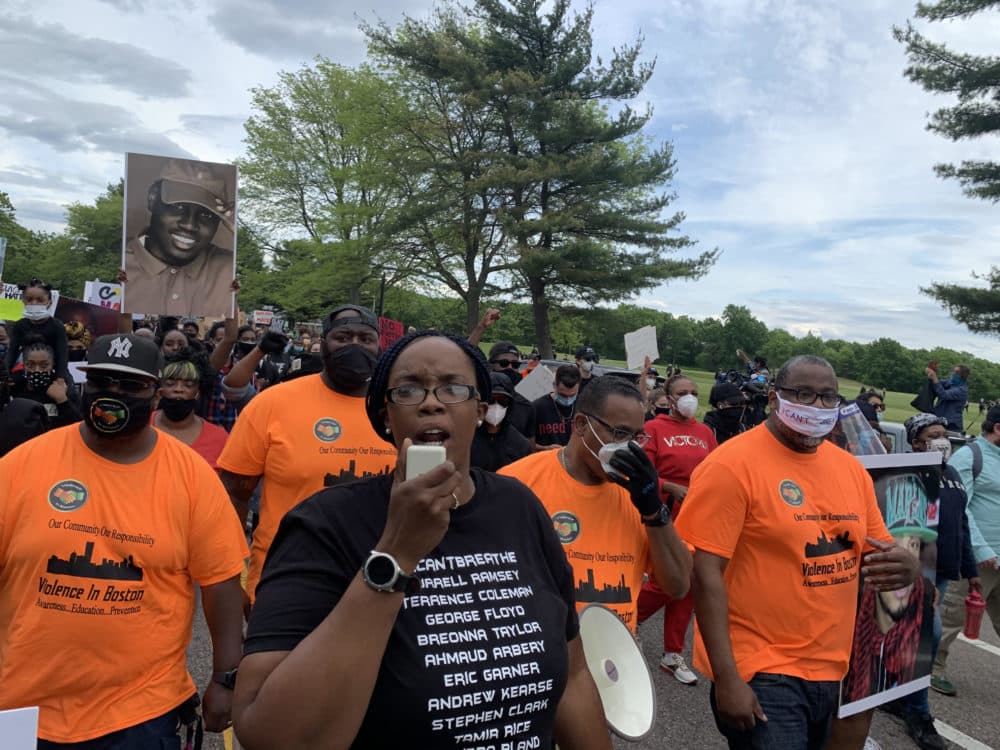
(435, 612)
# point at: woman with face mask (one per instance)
(678, 443)
(178, 398)
(38, 324)
(78, 341)
(38, 381)
(496, 443)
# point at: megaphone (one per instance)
(619, 669)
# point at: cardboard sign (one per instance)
(103, 293)
(390, 331)
(19, 728)
(891, 651)
(537, 383)
(263, 317)
(639, 345)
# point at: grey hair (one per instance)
(802, 359)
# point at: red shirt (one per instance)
(677, 446)
(210, 442)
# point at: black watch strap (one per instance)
(660, 519)
(226, 678)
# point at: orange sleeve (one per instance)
(246, 449)
(714, 511)
(216, 544)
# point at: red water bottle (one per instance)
(975, 605)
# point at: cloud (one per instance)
(67, 125)
(50, 51)
(41, 212)
(210, 124)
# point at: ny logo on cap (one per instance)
(120, 348)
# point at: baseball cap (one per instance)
(915, 424)
(728, 393)
(127, 354)
(500, 383)
(652, 371)
(364, 317)
(504, 347)
(200, 183)
(586, 352)
(993, 415)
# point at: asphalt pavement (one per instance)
(684, 719)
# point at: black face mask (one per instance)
(177, 409)
(115, 415)
(661, 410)
(77, 355)
(731, 415)
(39, 381)
(349, 367)
(514, 375)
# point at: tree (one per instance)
(741, 330)
(975, 81)
(318, 169)
(22, 245)
(583, 191)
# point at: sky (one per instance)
(801, 149)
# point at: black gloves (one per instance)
(272, 342)
(636, 473)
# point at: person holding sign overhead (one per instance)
(172, 264)
(427, 612)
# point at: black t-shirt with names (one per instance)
(553, 422)
(478, 657)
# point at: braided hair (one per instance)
(379, 384)
(36, 343)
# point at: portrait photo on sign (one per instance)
(179, 236)
(893, 633)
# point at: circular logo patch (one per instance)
(791, 493)
(67, 495)
(327, 429)
(109, 415)
(567, 526)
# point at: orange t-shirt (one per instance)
(793, 527)
(600, 530)
(302, 436)
(97, 563)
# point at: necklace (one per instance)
(562, 460)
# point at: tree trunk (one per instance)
(540, 311)
(472, 310)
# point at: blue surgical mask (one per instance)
(955, 379)
(878, 416)
(3, 349)
(565, 400)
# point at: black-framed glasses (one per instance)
(505, 363)
(132, 386)
(414, 395)
(621, 434)
(807, 396)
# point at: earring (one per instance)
(388, 430)
(479, 423)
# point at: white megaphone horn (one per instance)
(620, 671)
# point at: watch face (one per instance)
(380, 570)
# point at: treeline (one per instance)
(708, 344)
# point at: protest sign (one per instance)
(537, 383)
(893, 631)
(19, 728)
(179, 237)
(390, 331)
(103, 293)
(639, 345)
(263, 317)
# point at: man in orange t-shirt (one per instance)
(611, 534)
(308, 433)
(782, 522)
(104, 528)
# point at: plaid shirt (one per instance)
(225, 404)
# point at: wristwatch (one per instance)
(660, 519)
(382, 573)
(226, 678)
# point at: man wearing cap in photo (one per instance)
(106, 527)
(586, 358)
(173, 266)
(505, 358)
(309, 433)
(496, 442)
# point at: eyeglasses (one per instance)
(505, 363)
(620, 434)
(125, 385)
(414, 395)
(807, 396)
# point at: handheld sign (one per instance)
(19, 728)
(639, 345)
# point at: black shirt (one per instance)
(521, 416)
(480, 648)
(553, 422)
(493, 451)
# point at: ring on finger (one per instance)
(457, 503)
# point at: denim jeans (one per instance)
(156, 734)
(798, 713)
(918, 702)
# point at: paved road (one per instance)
(684, 720)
